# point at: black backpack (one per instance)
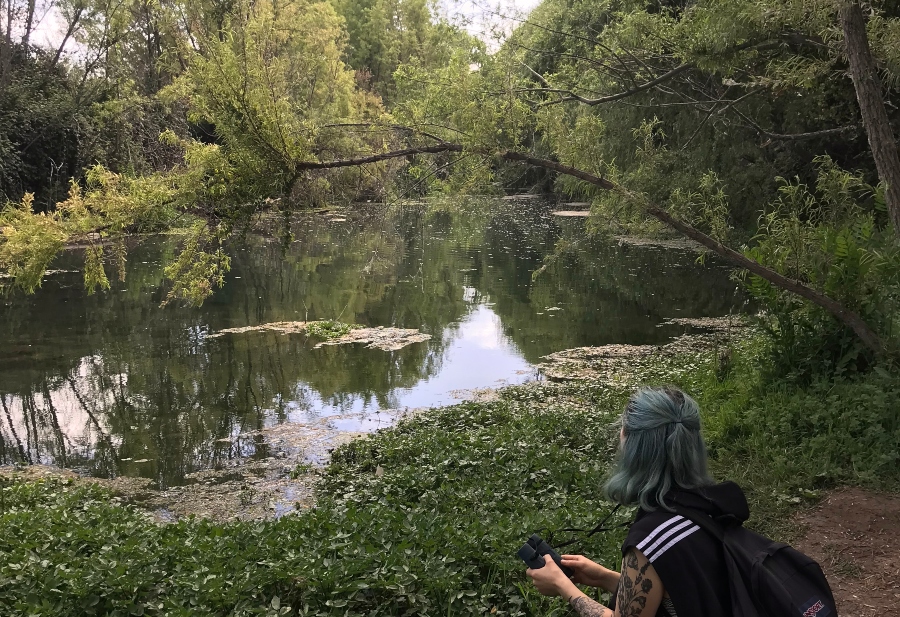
(767, 578)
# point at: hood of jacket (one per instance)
(720, 501)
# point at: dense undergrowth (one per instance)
(425, 518)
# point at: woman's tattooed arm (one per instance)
(640, 591)
(586, 607)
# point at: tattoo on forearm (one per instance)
(590, 608)
(632, 595)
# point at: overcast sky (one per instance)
(484, 16)
(487, 15)
(526, 5)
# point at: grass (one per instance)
(329, 330)
(435, 532)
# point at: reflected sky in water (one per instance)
(111, 384)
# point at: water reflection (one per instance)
(111, 384)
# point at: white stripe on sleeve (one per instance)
(658, 530)
(677, 539)
(666, 536)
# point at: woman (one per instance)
(670, 566)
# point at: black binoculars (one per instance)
(533, 552)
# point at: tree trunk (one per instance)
(849, 318)
(73, 24)
(6, 47)
(871, 105)
(29, 25)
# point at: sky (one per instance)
(487, 15)
(485, 18)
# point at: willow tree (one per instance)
(270, 83)
(382, 35)
(272, 86)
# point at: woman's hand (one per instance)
(587, 572)
(551, 581)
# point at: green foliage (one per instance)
(831, 431)
(833, 237)
(265, 81)
(118, 203)
(329, 329)
(267, 85)
(706, 208)
(435, 534)
(383, 35)
(424, 518)
(477, 107)
(114, 203)
(302, 469)
(28, 242)
(94, 273)
(753, 76)
(40, 127)
(196, 272)
(61, 113)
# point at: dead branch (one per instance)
(375, 158)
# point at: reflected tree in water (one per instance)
(111, 384)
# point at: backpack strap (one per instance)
(703, 521)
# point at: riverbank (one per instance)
(425, 517)
(284, 481)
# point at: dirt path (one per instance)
(855, 535)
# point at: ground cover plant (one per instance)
(425, 518)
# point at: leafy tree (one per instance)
(669, 100)
(384, 35)
(39, 129)
(269, 89)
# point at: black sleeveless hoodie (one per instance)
(688, 560)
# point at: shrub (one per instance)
(834, 237)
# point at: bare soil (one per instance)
(854, 534)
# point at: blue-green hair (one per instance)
(662, 450)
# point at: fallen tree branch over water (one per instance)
(846, 316)
(376, 158)
(843, 314)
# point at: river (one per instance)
(111, 384)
